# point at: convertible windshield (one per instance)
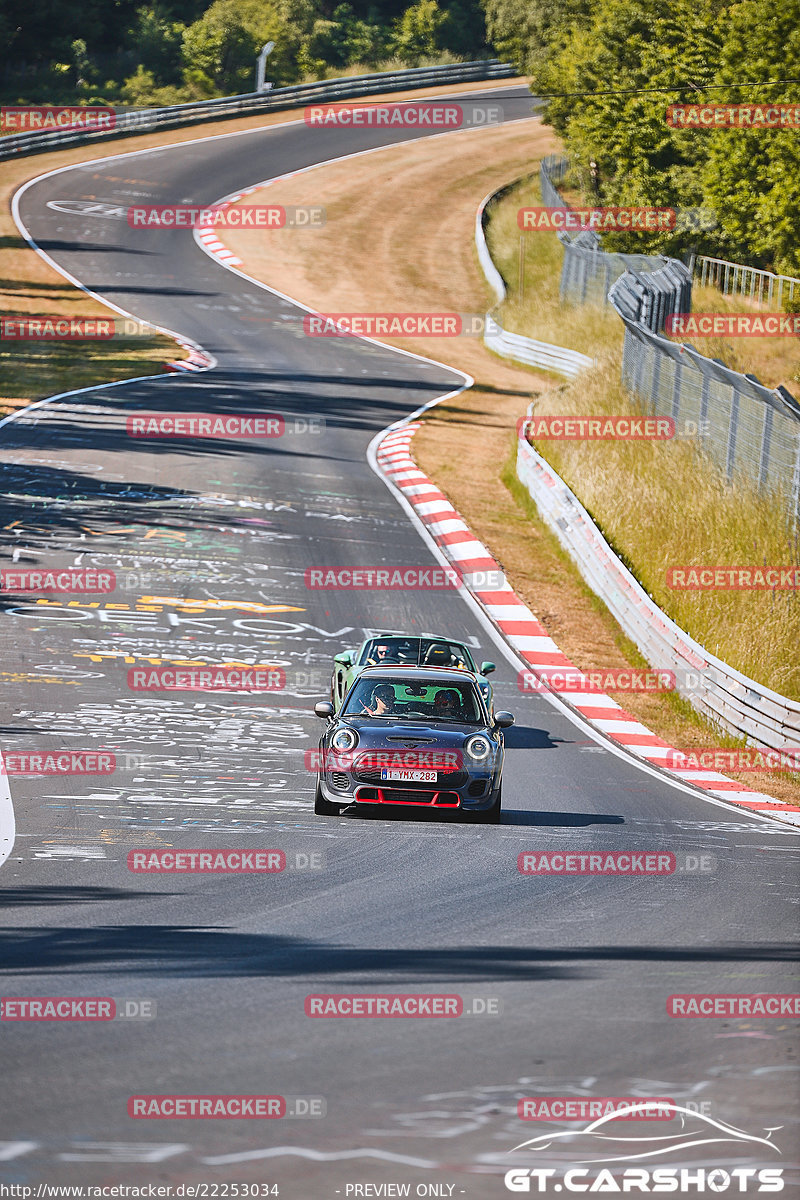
(416, 652)
(413, 700)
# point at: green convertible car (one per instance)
(395, 649)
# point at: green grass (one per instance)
(34, 370)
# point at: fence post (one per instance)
(677, 381)
(733, 428)
(704, 391)
(766, 438)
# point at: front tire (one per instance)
(323, 807)
(489, 816)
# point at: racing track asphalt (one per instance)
(582, 966)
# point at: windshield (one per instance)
(412, 700)
(416, 652)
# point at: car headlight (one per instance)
(345, 738)
(479, 747)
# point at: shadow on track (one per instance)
(186, 950)
(31, 897)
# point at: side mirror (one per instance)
(345, 659)
(324, 709)
(503, 719)
(487, 668)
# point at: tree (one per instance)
(532, 32)
(752, 176)
(620, 71)
(415, 33)
(220, 50)
(157, 40)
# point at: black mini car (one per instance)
(413, 736)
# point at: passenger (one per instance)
(381, 702)
(447, 706)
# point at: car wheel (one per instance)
(323, 807)
(489, 816)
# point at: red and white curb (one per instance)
(206, 233)
(531, 641)
(197, 359)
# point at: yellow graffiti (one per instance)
(220, 605)
(153, 660)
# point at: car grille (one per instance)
(449, 779)
(384, 795)
(339, 780)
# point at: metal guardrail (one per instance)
(534, 354)
(732, 701)
(514, 345)
(134, 121)
(729, 699)
(733, 279)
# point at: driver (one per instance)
(381, 701)
(446, 705)
(381, 653)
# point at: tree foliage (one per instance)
(616, 65)
(171, 50)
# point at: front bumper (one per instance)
(437, 795)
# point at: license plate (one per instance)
(408, 776)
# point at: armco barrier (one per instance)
(534, 354)
(514, 345)
(146, 120)
(737, 704)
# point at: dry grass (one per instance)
(773, 360)
(661, 504)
